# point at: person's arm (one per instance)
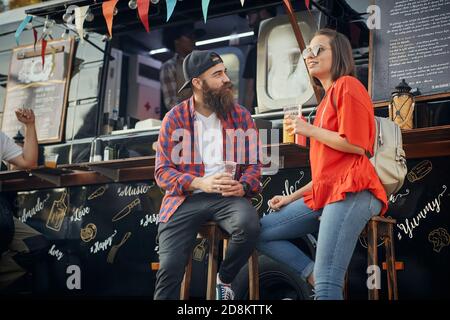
(211, 184)
(166, 174)
(169, 178)
(330, 138)
(29, 157)
(168, 80)
(301, 192)
(354, 110)
(251, 171)
(334, 140)
(278, 202)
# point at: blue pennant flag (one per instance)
(170, 4)
(21, 27)
(205, 5)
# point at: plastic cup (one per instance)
(290, 113)
(300, 139)
(51, 160)
(230, 168)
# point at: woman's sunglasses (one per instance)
(312, 51)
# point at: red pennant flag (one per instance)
(35, 35)
(108, 13)
(43, 47)
(307, 4)
(143, 6)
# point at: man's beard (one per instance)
(221, 101)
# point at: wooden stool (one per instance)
(382, 228)
(213, 234)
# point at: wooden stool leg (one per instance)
(212, 265)
(253, 276)
(390, 261)
(186, 284)
(372, 253)
(225, 247)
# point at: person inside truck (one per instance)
(345, 191)
(254, 19)
(198, 189)
(22, 248)
(181, 41)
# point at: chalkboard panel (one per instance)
(42, 89)
(107, 231)
(412, 43)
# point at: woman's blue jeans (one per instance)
(339, 228)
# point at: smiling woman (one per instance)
(329, 56)
(345, 191)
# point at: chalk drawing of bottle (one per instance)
(57, 213)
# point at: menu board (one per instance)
(42, 88)
(412, 43)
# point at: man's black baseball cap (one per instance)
(196, 63)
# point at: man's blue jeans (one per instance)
(339, 228)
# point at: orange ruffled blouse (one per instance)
(334, 173)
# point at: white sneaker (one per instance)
(224, 292)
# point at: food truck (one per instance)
(96, 93)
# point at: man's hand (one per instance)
(25, 116)
(234, 189)
(215, 183)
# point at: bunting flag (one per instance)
(35, 35)
(108, 13)
(21, 27)
(80, 16)
(43, 48)
(308, 4)
(170, 5)
(143, 6)
(205, 5)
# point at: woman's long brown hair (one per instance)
(343, 63)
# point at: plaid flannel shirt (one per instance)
(175, 178)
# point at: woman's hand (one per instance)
(299, 126)
(279, 201)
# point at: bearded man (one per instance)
(195, 139)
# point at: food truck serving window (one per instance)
(282, 77)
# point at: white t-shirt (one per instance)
(8, 148)
(209, 137)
